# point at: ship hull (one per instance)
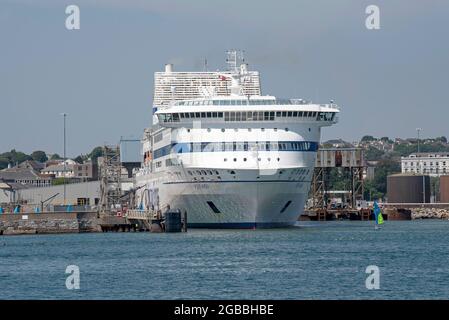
(245, 204)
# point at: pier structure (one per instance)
(352, 161)
(110, 171)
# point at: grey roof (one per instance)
(14, 174)
(32, 164)
(58, 167)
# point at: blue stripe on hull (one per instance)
(240, 225)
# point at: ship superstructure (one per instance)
(231, 159)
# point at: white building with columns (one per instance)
(432, 164)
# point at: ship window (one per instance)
(266, 116)
(220, 114)
(232, 118)
(237, 116)
(300, 114)
(182, 115)
(228, 146)
(289, 114)
(284, 113)
(226, 116)
(295, 113)
(203, 114)
(260, 115)
(243, 116)
(314, 114)
(197, 114)
(278, 113)
(214, 114)
(272, 115)
(209, 115)
(233, 102)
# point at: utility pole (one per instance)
(65, 165)
(418, 130)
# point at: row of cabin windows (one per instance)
(246, 115)
(234, 102)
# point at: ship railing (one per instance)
(141, 214)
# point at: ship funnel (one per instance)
(168, 68)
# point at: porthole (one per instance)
(279, 159)
(236, 130)
(216, 172)
(244, 159)
(222, 130)
(258, 159)
(275, 129)
(208, 129)
(286, 129)
(235, 159)
(310, 129)
(188, 130)
(249, 129)
(225, 159)
(263, 129)
(269, 159)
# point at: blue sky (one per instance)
(388, 82)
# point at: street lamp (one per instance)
(64, 172)
(418, 130)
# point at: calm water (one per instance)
(325, 260)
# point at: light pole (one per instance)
(64, 172)
(418, 130)
(422, 171)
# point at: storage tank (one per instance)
(408, 188)
(444, 189)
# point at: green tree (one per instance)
(15, 157)
(4, 162)
(96, 152)
(55, 157)
(79, 159)
(377, 188)
(39, 156)
(368, 139)
(372, 154)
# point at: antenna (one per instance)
(234, 58)
(205, 64)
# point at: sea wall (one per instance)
(35, 223)
(430, 213)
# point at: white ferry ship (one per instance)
(227, 155)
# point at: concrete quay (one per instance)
(50, 222)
